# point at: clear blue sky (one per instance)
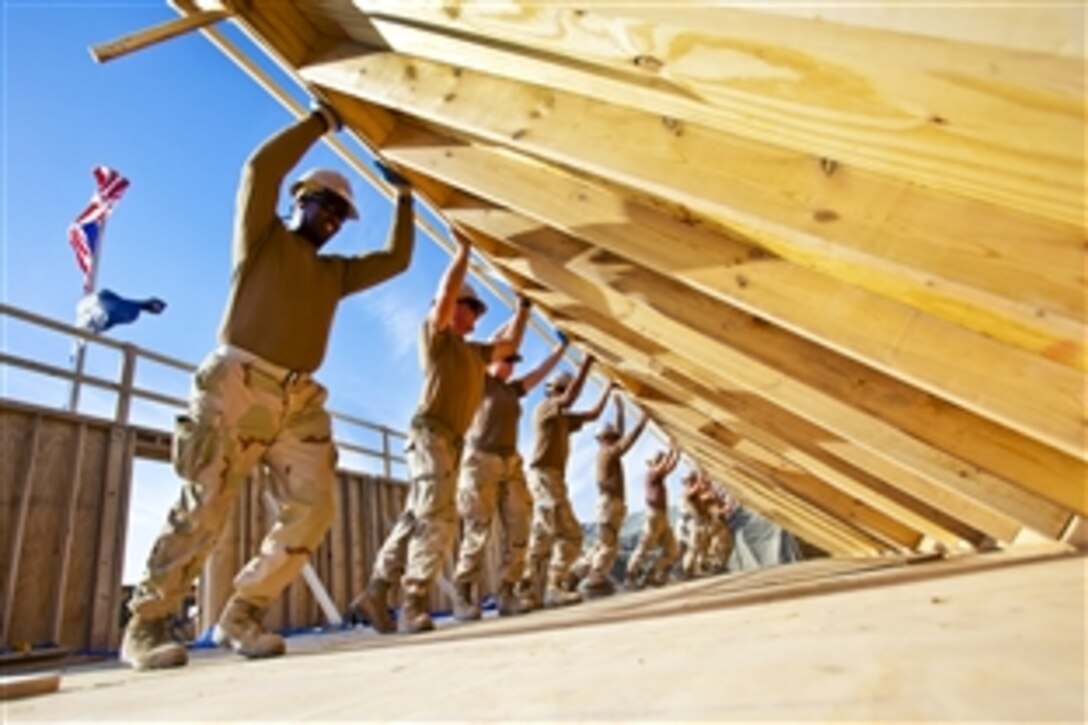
(178, 120)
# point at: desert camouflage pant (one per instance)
(597, 562)
(242, 413)
(420, 540)
(720, 545)
(696, 545)
(656, 533)
(488, 483)
(556, 536)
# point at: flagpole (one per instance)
(80, 349)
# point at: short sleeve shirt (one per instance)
(610, 470)
(495, 427)
(453, 378)
(657, 496)
(553, 427)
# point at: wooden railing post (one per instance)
(128, 375)
(387, 460)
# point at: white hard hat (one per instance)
(468, 294)
(561, 381)
(326, 180)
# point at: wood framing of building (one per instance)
(836, 252)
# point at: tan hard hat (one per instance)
(468, 294)
(326, 180)
(561, 381)
(608, 430)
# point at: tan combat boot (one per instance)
(527, 597)
(241, 629)
(414, 617)
(148, 645)
(465, 606)
(373, 603)
(556, 596)
(510, 604)
(595, 586)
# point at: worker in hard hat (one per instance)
(695, 516)
(255, 401)
(593, 570)
(656, 534)
(492, 481)
(719, 537)
(453, 385)
(556, 537)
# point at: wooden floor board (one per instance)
(995, 636)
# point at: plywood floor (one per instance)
(991, 637)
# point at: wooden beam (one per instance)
(846, 481)
(844, 227)
(744, 455)
(609, 359)
(636, 360)
(169, 30)
(855, 225)
(990, 380)
(853, 436)
(942, 112)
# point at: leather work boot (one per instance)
(510, 604)
(414, 617)
(595, 587)
(241, 629)
(465, 606)
(373, 603)
(148, 645)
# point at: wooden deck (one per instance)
(990, 637)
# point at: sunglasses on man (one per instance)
(331, 202)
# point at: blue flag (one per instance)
(102, 310)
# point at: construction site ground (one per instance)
(997, 636)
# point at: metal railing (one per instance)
(127, 391)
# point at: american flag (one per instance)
(85, 233)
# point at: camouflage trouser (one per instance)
(656, 533)
(720, 544)
(488, 482)
(242, 413)
(696, 545)
(556, 536)
(421, 538)
(597, 562)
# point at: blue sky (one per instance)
(178, 120)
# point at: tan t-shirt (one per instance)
(453, 378)
(283, 295)
(657, 496)
(610, 470)
(495, 427)
(553, 427)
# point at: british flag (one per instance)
(85, 233)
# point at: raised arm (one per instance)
(632, 436)
(571, 394)
(595, 412)
(511, 334)
(619, 412)
(263, 174)
(449, 287)
(668, 465)
(533, 378)
(370, 269)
